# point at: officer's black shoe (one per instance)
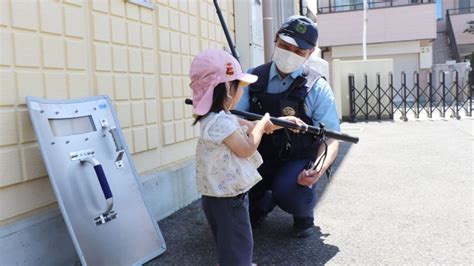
(303, 227)
(257, 219)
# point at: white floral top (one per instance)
(220, 172)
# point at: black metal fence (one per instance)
(380, 103)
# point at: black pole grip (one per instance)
(99, 171)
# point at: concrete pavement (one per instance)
(403, 195)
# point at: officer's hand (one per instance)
(309, 177)
(294, 120)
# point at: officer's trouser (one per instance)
(280, 178)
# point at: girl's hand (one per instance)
(268, 126)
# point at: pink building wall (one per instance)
(384, 25)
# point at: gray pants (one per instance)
(230, 225)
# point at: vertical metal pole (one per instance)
(268, 36)
(379, 112)
(351, 99)
(366, 98)
(470, 87)
(417, 100)
(430, 91)
(226, 31)
(404, 99)
(456, 101)
(443, 108)
(364, 32)
(391, 95)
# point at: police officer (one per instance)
(287, 87)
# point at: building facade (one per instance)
(399, 30)
(137, 52)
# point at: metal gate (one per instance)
(453, 98)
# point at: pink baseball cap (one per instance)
(210, 68)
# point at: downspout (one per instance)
(268, 37)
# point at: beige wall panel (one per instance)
(149, 85)
(133, 33)
(5, 13)
(24, 197)
(10, 166)
(127, 134)
(139, 139)
(164, 39)
(25, 14)
(148, 61)
(119, 31)
(133, 11)
(100, 5)
(79, 85)
(147, 36)
(27, 134)
(56, 85)
(51, 17)
(120, 56)
(74, 21)
(152, 137)
(166, 87)
(7, 88)
(5, 48)
(27, 49)
(8, 134)
(175, 45)
(175, 64)
(169, 133)
(124, 114)
(136, 86)
(105, 84)
(179, 129)
(117, 8)
(178, 109)
(53, 52)
(165, 63)
(177, 87)
(32, 162)
(138, 113)
(101, 26)
(167, 107)
(29, 83)
(188, 128)
(76, 55)
(103, 57)
(163, 16)
(151, 112)
(146, 15)
(187, 92)
(184, 22)
(122, 88)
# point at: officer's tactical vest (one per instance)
(283, 144)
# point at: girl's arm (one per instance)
(245, 147)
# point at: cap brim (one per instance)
(203, 105)
(247, 78)
(295, 41)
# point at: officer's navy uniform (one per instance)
(306, 95)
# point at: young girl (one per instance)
(226, 153)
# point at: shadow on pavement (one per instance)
(189, 240)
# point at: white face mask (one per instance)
(287, 61)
